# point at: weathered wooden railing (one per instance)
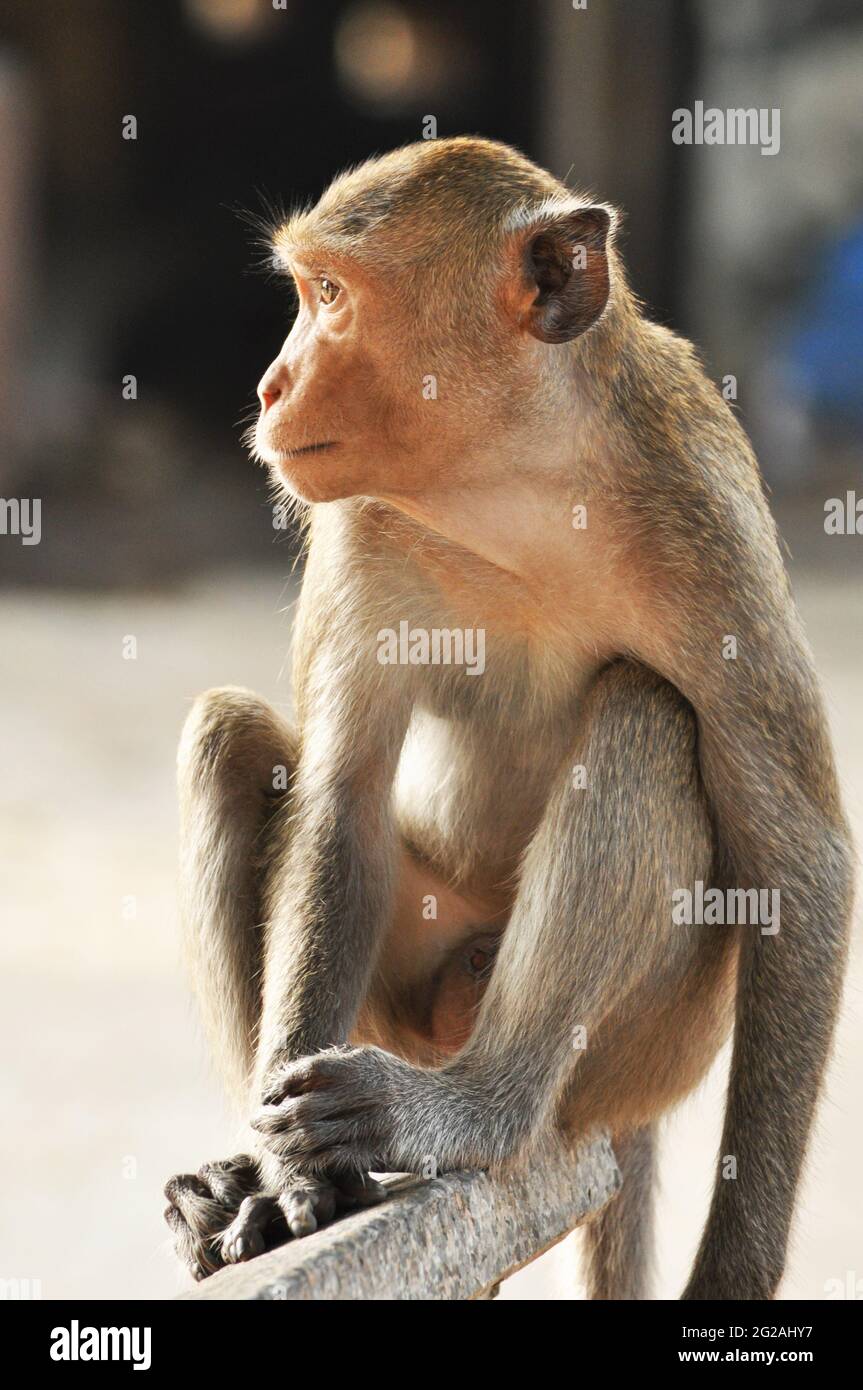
(453, 1237)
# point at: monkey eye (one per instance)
(329, 290)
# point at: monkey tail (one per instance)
(619, 1243)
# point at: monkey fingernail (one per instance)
(300, 1217)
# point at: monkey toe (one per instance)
(309, 1203)
(189, 1195)
(219, 1216)
(202, 1205)
(200, 1256)
(231, 1180)
(301, 1212)
(246, 1236)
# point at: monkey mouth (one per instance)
(309, 449)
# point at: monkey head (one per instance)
(436, 286)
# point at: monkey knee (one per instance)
(641, 734)
(642, 754)
(231, 731)
(635, 697)
(215, 721)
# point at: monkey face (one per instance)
(371, 397)
(432, 972)
(431, 285)
(342, 406)
(426, 1011)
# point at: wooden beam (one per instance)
(453, 1237)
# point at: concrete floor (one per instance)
(105, 1090)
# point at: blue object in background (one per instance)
(823, 358)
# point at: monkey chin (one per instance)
(302, 472)
(306, 477)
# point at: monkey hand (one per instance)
(362, 1108)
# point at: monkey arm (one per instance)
(333, 894)
(333, 876)
(595, 892)
(330, 907)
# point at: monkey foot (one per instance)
(298, 1210)
(220, 1216)
(203, 1205)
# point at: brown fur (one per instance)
(604, 649)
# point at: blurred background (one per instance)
(134, 326)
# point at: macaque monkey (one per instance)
(434, 919)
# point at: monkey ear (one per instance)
(565, 259)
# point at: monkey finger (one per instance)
(308, 1139)
(306, 1110)
(289, 1083)
(289, 1146)
(291, 1114)
(305, 1074)
(271, 1119)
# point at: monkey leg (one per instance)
(591, 930)
(235, 763)
(618, 1245)
(231, 748)
(237, 758)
